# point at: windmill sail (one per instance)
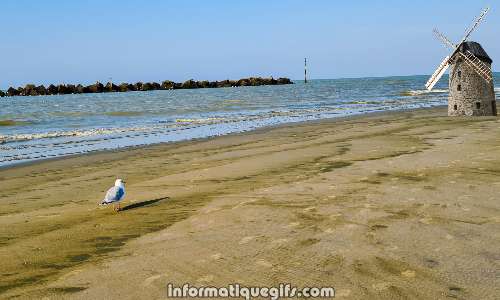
(445, 64)
(478, 65)
(474, 26)
(444, 39)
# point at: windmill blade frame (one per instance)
(476, 23)
(444, 39)
(445, 64)
(477, 65)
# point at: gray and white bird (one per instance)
(115, 194)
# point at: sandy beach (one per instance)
(396, 205)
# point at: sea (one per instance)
(42, 127)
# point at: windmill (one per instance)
(471, 80)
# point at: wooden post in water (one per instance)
(305, 70)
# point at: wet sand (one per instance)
(383, 206)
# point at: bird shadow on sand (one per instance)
(143, 203)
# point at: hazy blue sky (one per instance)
(82, 41)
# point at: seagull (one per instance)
(115, 194)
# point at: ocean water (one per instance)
(34, 128)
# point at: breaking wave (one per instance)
(178, 123)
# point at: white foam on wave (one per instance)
(179, 123)
(199, 120)
(70, 133)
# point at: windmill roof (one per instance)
(476, 49)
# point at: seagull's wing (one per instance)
(114, 194)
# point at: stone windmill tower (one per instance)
(471, 80)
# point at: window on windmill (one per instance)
(459, 74)
(478, 105)
(455, 107)
(459, 87)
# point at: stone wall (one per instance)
(470, 94)
(62, 89)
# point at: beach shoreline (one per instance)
(258, 129)
(372, 204)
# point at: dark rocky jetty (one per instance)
(63, 89)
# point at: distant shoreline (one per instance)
(64, 89)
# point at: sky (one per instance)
(53, 41)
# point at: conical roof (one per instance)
(474, 48)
